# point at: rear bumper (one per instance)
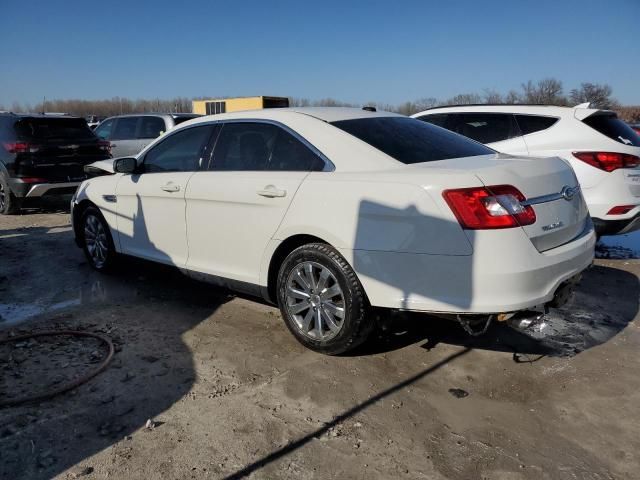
(35, 190)
(616, 227)
(504, 274)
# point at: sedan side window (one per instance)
(244, 146)
(125, 128)
(485, 127)
(179, 152)
(104, 129)
(290, 154)
(151, 127)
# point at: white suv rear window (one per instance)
(614, 128)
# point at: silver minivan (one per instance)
(129, 134)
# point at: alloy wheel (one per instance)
(95, 238)
(2, 197)
(315, 301)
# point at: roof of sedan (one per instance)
(326, 114)
(335, 114)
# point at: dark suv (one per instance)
(44, 155)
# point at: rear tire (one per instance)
(9, 203)
(322, 301)
(96, 240)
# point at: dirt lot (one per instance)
(230, 393)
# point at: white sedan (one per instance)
(331, 211)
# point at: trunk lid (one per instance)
(549, 186)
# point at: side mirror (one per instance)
(125, 165)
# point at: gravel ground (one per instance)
(205, 384)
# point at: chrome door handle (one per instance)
(170, 187)
(271, 192)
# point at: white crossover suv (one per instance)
(602, 149)
(330, 211)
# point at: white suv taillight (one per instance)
(608, 161)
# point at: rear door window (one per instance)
(614, 128)
(291, 155)
(126, 128)
(244, 146)
(534, 123)
(179, 152)
(53, 129)
(484, 127)
(409, 140)
(151, 127)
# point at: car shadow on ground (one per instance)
(597, 312)
(145, 309)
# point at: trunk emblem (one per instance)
(568, 192)
(553, 226)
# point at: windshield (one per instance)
(411, 141)
(614, 128)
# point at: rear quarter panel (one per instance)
(354, 212)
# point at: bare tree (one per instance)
(299, 102)
(464, 99)
(599, 95)
(547, 91)
(629, 114)
(491, 96)
(512, 97)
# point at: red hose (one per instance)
(71, 385)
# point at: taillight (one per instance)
(608, 161)
(32, 180)
(621, 209)
(104, 146)
(15, 147)
(491, 207)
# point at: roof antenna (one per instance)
(44, 100)
(369, 108)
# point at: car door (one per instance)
(235, 207)
(150, 203)
(124, 142)
(496, 130)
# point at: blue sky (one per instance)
(384, 51)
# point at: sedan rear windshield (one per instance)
(53, 128)
(411, 141)
(614, 128)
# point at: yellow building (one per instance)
(224, 105)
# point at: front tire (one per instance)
(322, 301)
(96, 240)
